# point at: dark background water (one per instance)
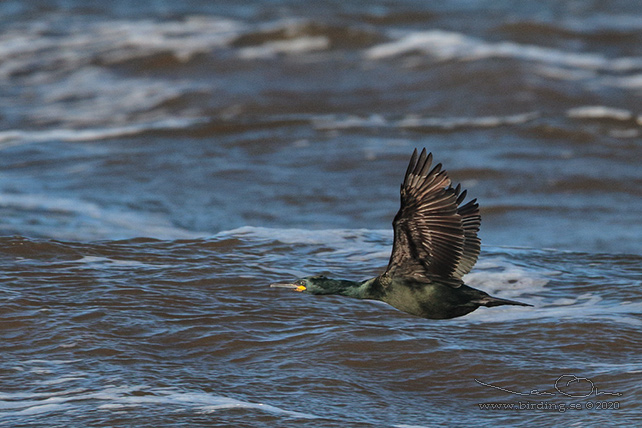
(165, 120)
(160, 163)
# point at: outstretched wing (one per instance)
(434, 235)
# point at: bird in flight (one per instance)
(435, 245)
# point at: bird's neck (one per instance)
(358, 289)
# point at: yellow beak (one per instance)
(295, 287)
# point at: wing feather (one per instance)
(434, 235)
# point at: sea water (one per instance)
(161, 164)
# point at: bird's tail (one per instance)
(490, 301)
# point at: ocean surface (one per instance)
(162, 162)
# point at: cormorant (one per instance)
(435, 245)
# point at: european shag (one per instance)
(435, 245)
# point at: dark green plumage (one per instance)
(435, 245)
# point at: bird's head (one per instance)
(318, 284)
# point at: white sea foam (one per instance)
(119, 397)
(94, 262)
(291, 46)
(72, 45)
(334, 122)
(499, 277)
(599, 112)
(183, 38)
(16, 137)
(43, 43)
(448, 45)
(633, 81)
(91, 95)
(466, 122)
